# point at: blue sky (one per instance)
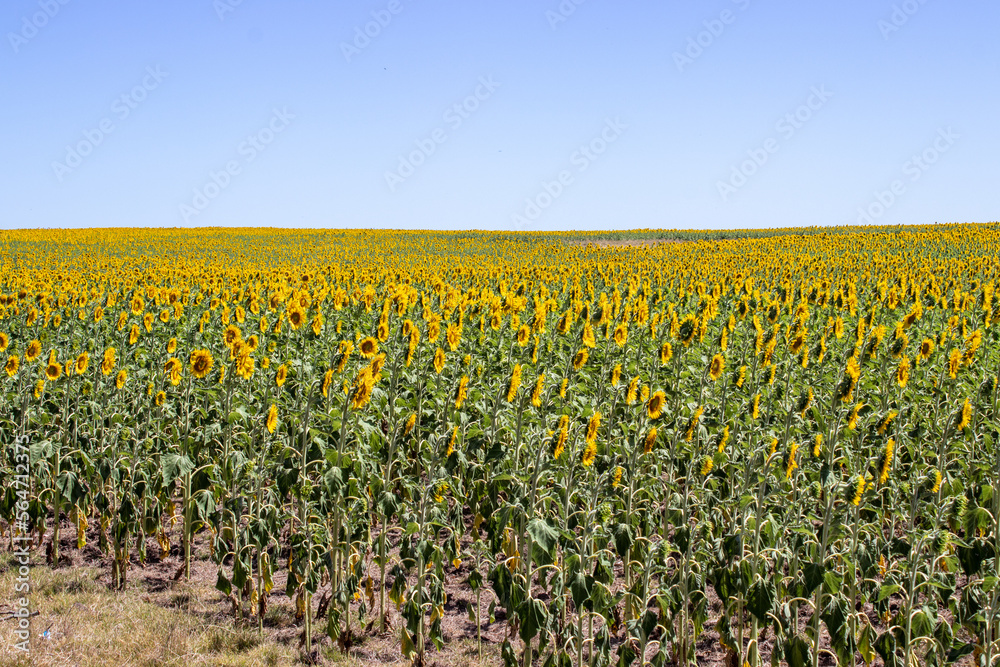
(490, 114)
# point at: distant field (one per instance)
(264, 446)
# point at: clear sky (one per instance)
(498, 114)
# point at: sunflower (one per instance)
(562, 432)
(439, 360)
(13, 363)
(133, 335)
(231, 335)
(716, 367)
(39, 389)
(740, 376)
(454, 336)
(592, 426)
(649, 441)
(53, 370)
(523, 335)
(376, 365)
(536, 394)
(632, 392)
(109, 361)
(295, 318)
(327, 380)
(964, 416)
(4, 342)
(852, 417)
(885, 461)
(171, 346)
(693, 424)
(857, 490)
(654, 408)
(935, 481)
(173, 369)
(461, 391)
(903, 372)
(411, 421)
(159, 398)
(147, 321)
(687, 329)
(368, 347)
(514, 384)
(33, 351)
(621, 334)
(245, 366)
(362, 393)
(82, 362)
(281, 375)
(164, 316)
(666, 352)
(120, 379)
(587, 336)
(201, 363)
(805, 400)
(706, 465)
(272, 418)
(580, 358)
(723, 439)
(926, 349)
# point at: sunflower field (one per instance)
(782, 446)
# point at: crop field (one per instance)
(771, 447)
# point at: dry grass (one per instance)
(184, 624)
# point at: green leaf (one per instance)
(533, 614)
(761, 599)
(544, 535)
(222, 583)
(886, 591)
(623, 538)
(813, 573)
(175, 466)
(959, 652)
(797, 653)
(407, 648)
(581, 587)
